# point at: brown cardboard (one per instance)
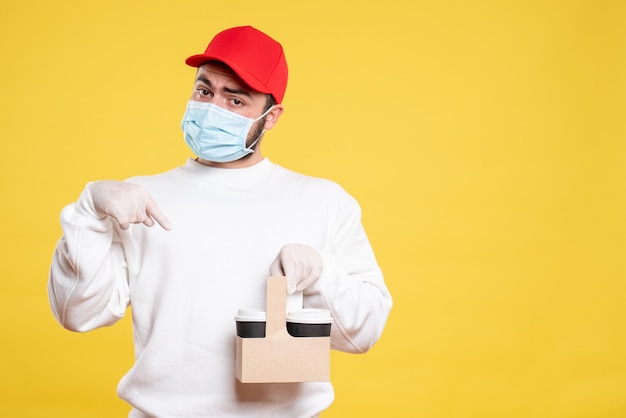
(279, 357)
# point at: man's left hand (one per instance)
(301, 264)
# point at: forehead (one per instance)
(218, 72)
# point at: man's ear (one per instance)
(272, 117)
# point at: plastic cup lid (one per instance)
(310, 316)
(250, 315)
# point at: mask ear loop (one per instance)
(262, 132)
(265, 113)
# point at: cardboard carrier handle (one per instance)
(276, 305)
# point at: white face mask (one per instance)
(216, 134)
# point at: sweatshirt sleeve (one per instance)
(88, 284)
(351, 286)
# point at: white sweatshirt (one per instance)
(185, 285)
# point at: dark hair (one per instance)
(269, 102)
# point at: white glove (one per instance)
(301, 264)
(127, 203)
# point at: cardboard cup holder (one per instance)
(279, 356)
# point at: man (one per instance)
(228, 219)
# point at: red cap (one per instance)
(255, 57)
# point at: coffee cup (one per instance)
(251, 323)
(309, 322)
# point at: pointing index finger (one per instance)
(153, 211)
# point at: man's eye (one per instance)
(203, 92)
(237, 102)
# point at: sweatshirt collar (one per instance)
(228, 176)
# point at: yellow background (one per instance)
(485, 141)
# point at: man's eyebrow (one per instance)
(205, 81)
(241, 92)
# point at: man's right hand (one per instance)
(127, 203)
